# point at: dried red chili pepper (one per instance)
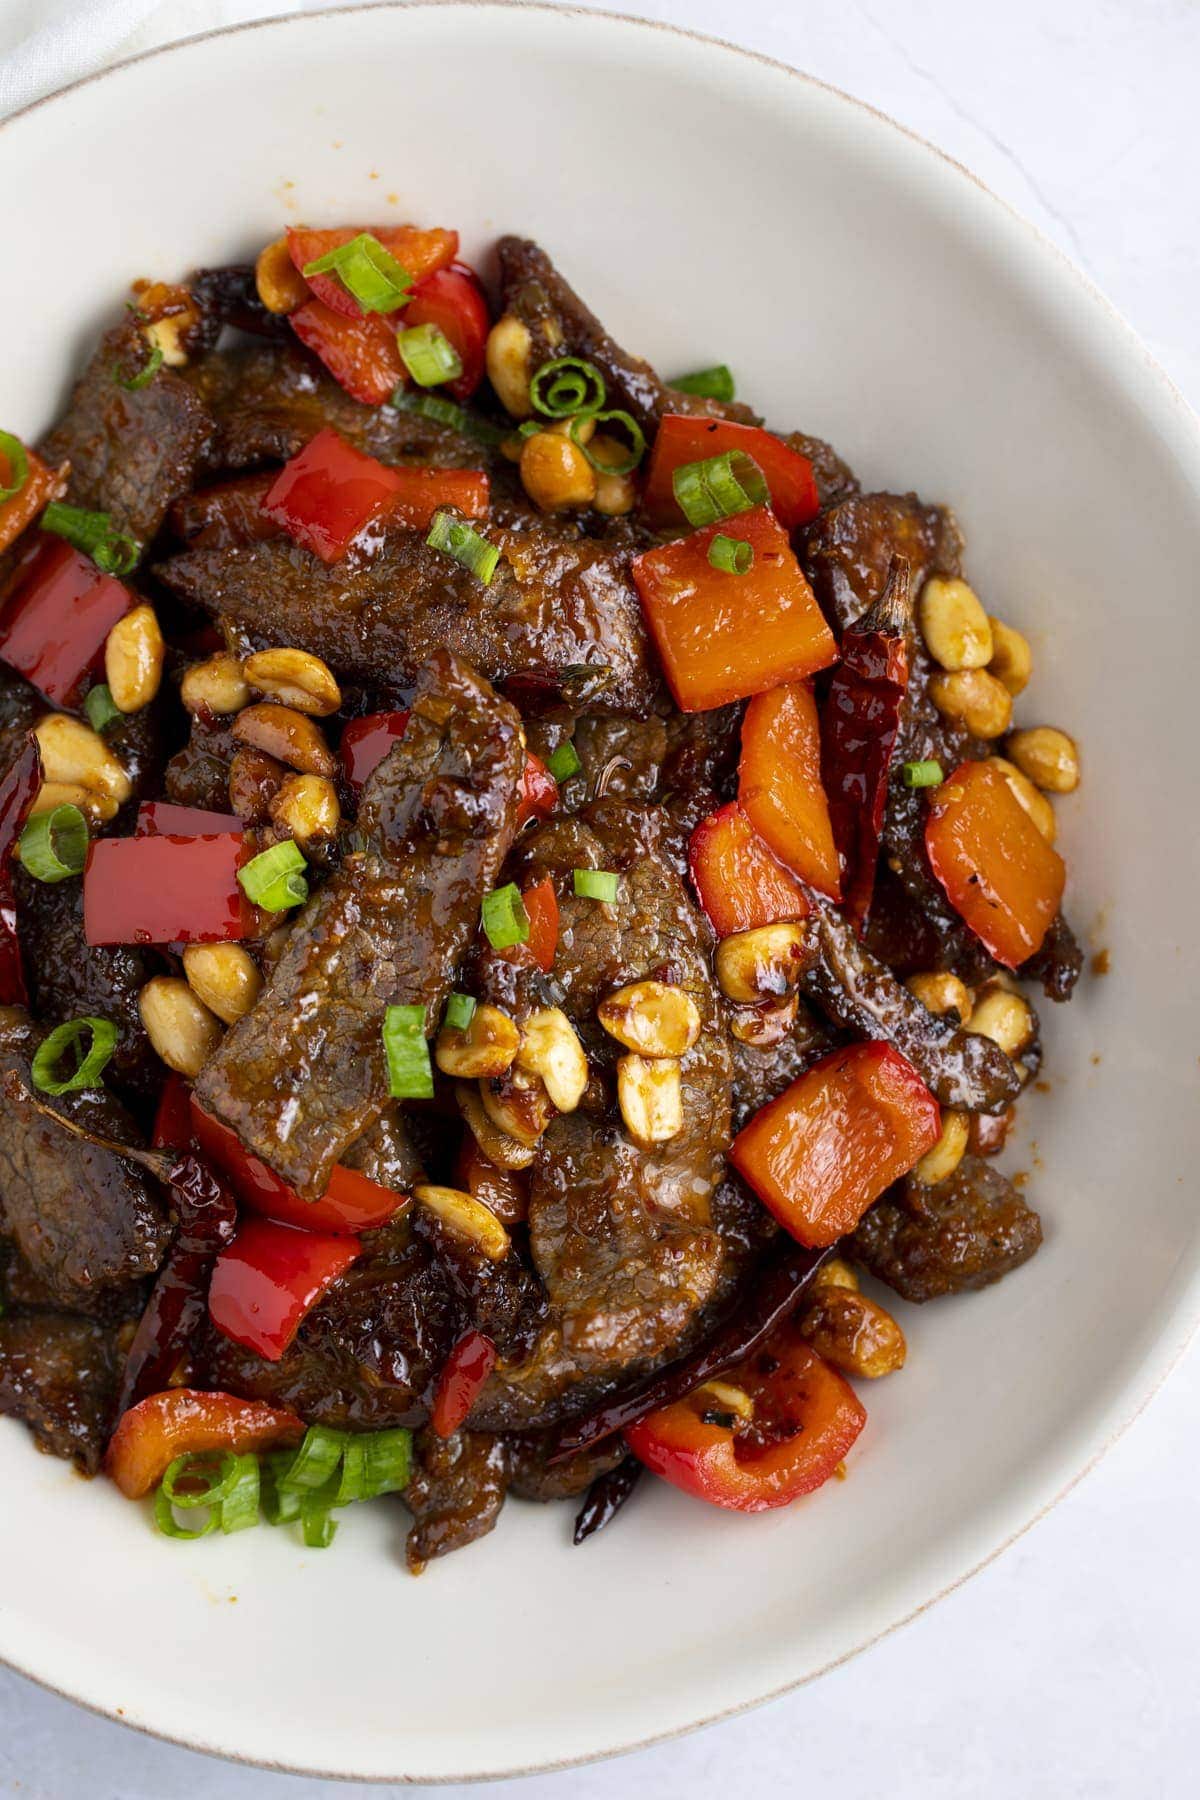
(860, 721)
(605, 1498)
(18, 791)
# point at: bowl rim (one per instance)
(1160, 1357)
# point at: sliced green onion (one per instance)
(272, 879)
(92, 532)
(315, 1460)
(13, 451)
(460, 1010)
(145, 375)
(719, 487)
(428, 355)
(596, 884)
(632, 457)
(280, 1504)
(317, 1524)
(464, 544)
(565, 762)
(353, 1482)
(164, 1518)
(387, 1461)
(240, 1506)
(65, 1037)
(567, 385)
(711, 384)
(505, 921)
(446, 412)
(54, 845)
(201, 1478)
(921, 774)
(367, 271)
(100, 707)
(410, 1074)
(530, 428)
(732, 555)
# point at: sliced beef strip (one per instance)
(835, 480)
(848, 550)
(22, 1289)
(964, 1233)
(198, 775)
(385, 1153)
(759, 1075)
(59, 1374)
(21, 706)
(533, 1477)
(303, 1074)
(455, 1493)
(553, 608)
(622, 759)
(131, 454)
(82, 1217)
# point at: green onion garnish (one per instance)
(410, 1074)
(315, 1460)
(719, 487)
(239, 1508)
(733, 555)
(564, 762)
(145, 375)
(567, 385)
(13, 451)
(66, 1037)
(318, 1526)
(711, 384)
(466, 545)
(226, 1484)
(273, 880)
(164, 1516)
(460, 1010)
(92, 532)
(446, 412)
(505, 921)
(596, 884)
(387, 1461)
(54, 845)
(428, 355)
(921, 774)
(100, 707)
(367, 272)
(637, 442)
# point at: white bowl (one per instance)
(710, 206)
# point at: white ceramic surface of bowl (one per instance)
(710, 206)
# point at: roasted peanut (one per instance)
(1048, 756)
(763, 964)
(948, 1152)
(254, 780)
(652, 1018)
(181, 1029)
(954, 625)
(836, 1273)
(1004, 1017)
(615, 495)
(225, 977)
(555, 473)
(509, 349)
(550, 1048)
(307, 808)
(650, 1095)
(281, 286)
(493, 1142)
(297, 679)
(484, 1049)
(517, 1104)
(465, 1218)
(854, 1333)
(74, 754)
(216, 686)
(287, 735)
(766, 1024)
(133, 659)
(940, 992)
(170, 319)
(1030, 798)
(1012, 659)
(98, 809)
(975, 698)
(581, 430)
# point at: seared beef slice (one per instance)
(964, 1233)
(59, 1374)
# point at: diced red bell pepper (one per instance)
(166, 890)
(684, 438)
(42, 484)
(352, 1202)
(361, 354)
(162, 818)
(172, 1128)
(503, 1191)
(819, 1154)
(55, 623)
(366, 741)
(461, 1381)
(740, 883)
(779, 784)
(541, 903)
(183, 1420)
(999, 873)
(539, 791)
(327, 493)
(422, 492)
(265, 1284)
(722, 636)
(419, 253)
(804, 1419)
(453, 300)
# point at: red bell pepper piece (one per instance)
(351, 1203)
(18, 791)
(779, 784)
(740, 883)
(998, 871)
(462, 1381)
(172, 1128)
(265, 1284)
(819, 1154)
(360, 354)
(418, 252)
(366, 741)
(685, 438)
(42, 484)
(541, 903)
(805, 1419)
(327, 493)
(422, 492)
(453, 300)
(154, 1432)
(860, 722)
(539, 791)
(55, 623)
(166, 890)
(721, 636)
(162, 818)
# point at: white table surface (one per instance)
(1069, 1667)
